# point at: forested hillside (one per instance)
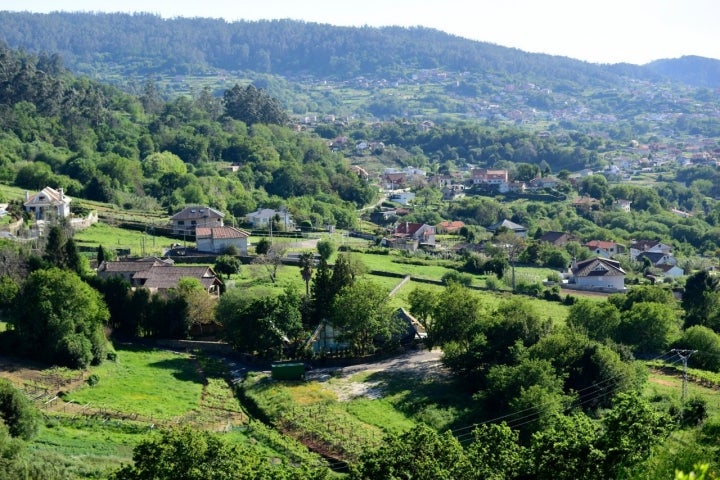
(143, 44)
(318, 70)
(101, 144)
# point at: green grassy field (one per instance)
(139, 243)
(151, 383)
(95, 431)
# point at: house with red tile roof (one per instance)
(449, 226)
(487, 177)
(219, 239)
(409, 236)
(604, 248)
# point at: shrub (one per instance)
(75, 351)
(554, 277)
(17, 412)
(692, 414)
(93, 380)
(532, 289)
(456, 277)
(493, 283)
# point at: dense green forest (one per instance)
(407, 72)
(147, 44)
(98, 143)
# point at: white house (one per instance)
(657, 259)
(417, 233)
(604, 248)
(486, 177)
(403, 198)
(48, 204)
(672, 271)
(623, 205)
(262, 217)
(598, 274)
(651, 246)
(218, 239)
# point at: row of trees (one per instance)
(570, 447)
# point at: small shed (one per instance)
(288, 371)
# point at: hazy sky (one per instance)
(608, 31)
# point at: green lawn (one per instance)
(152, 383)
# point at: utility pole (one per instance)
(684, 355)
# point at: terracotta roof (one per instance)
(407, 228)
(598, 267)
(600, 244)
(220, 232)
(451, 226)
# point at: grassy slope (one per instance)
(164, 385)
(152, 383)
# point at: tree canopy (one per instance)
(59, 318)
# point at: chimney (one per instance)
(62, 194)
(27, 195)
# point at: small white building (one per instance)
(403, 198)
(48, 204)
(218, 239)
(598, 273)
(263, 216)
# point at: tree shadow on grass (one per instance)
(183, 369)
(441, 401)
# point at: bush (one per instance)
(75, 351)
(532, 289)
(554, 277)
(493, 283)
(16, 411)
(93, 380)
(692, 414)
(456, 277)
